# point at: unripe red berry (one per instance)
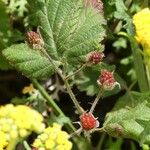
(107, 80)
(95, 57)
(88, 121)
(34, 40)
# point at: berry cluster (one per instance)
(107, 80)
(34, 40)
(88, 121)
(95, 57)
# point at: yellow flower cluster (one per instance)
(3, 140)
(18, 122)
(53, 138)
(141, 21)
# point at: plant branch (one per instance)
(100, 144)
(26, 145)
(99, 95)
(51, 102)
(55, 66)
(12, 144)
(76, 103)
(77, 71)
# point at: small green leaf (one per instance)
(62, 120)
(17, 7)
(32, 63)
(4, 28)
(145, 134)
(131, 99)
(4, 25)
(19, 101)
(121, 13)
(87, 80)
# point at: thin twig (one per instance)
(99, 95)
(76, 103)
(55, 66)
(26, 145)
(98, 130)
(77, 132)
(77, 71)
(100, 144)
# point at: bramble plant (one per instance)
(66, 39)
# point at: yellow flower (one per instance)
(28, 89)
(19, 121)
(54, 139)
(3, 140)
(141, 21)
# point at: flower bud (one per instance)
(107, 80)
(95, 57)
(34, 40)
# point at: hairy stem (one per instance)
(99, 95)
(55, 66)
(76, 103)
(77, 71)
(100, 144)
(51, 102)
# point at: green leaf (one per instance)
(4, 28)
(122, 13)
(59, 119)
(19, 101)
(4, 25)
(123, 122)
(32, 63)
(145, 134)
(87, 81)
(131, 99)
(16, 7)
(69, 29)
